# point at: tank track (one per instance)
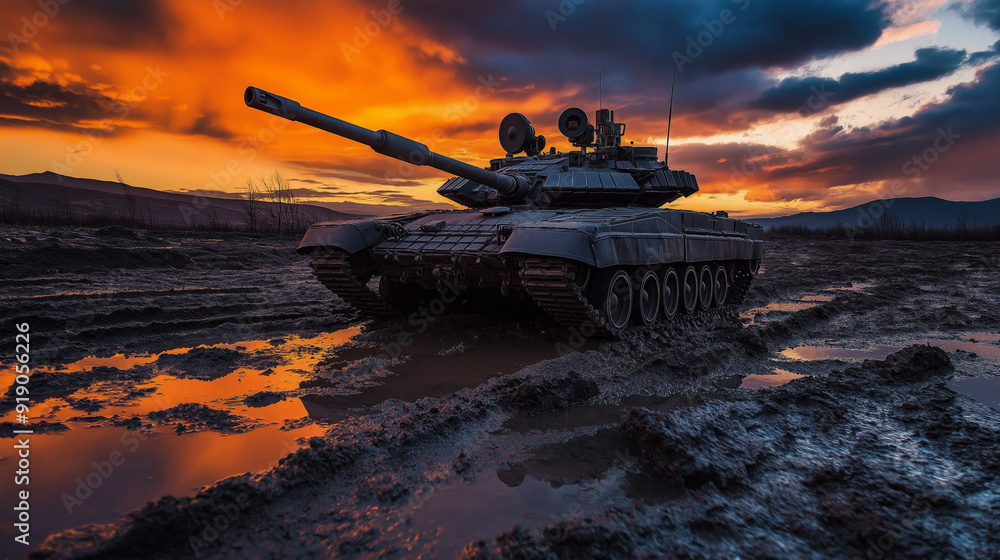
(551, 285)
(738, 288)
(334, 269)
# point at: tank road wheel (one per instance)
(720, 288)
(647, 297)
(689, 293)
(671, 299)
(612, 294)
(705, 288)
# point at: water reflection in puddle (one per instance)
(558, 481)
(879, 352)
(818, 297)
(986, 391)
(980, 349)
(812, 353)
(604, 414)
(854, 287)
(431, 366)
(750, 316)
(983, 337)
(780, 377)
(136, 467)
(462, 512)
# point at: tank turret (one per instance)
(602, 173)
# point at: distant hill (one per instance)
(89, 200)
(930, 211)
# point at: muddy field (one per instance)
(201, 395)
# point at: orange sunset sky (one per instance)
(780, 106)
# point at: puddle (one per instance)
(462, 512)
(750, 316)
(135, 468)
(142, 466)
(818, 298)
(434, 366)
(582, 458)
(986, 391)
(879, 352)
(603, 414)
(854, 287)
(983, 336)
(813, 353)
(980, 349)
(780, 377)
(557, 481)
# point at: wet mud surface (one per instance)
(219, 403)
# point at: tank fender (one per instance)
(350, 236)
(571, 244)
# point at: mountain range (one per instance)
(50, 193)
(53, 193)
(930, 211)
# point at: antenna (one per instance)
(670, 114)
(600, 89)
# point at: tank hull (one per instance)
(543, 254)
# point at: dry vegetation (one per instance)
(892, 228)
(269, 205)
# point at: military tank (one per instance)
(581, 233)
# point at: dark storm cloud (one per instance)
(985, 12)
(724, 46)
(793, 94)
(636, 38)
(374, 172)
(946, 148)
(972, 111)
(51, 105)
(296, 192)
(977, 58)
(403, 199)
(208, 125)
(118, 23)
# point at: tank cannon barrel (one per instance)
(385, 142)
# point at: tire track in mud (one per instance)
(224, 291)
(179, 292)
(355, 491)
(391, 448)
